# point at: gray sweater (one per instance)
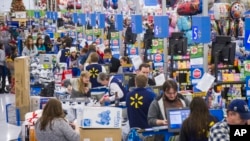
(61, 131)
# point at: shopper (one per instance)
(53, 127)
(79, 87)
(29, 49)
(124, 60)
(144, 68)
(73, 58)
(114, 62)
(138, 102)
(94, 69)
(2, 68)
(157, 109)
(114, 86)
(197, 129)
(237, 114)
(40, 46)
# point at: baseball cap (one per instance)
(241, 107)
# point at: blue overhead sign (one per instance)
(150, 2)
(74, 18)
(161, 29)
(55, 16)
(201, 29)
(136, 23)
(247, 34)
(119, 22)
(93, 19)
(101, 21)
(82, 18)
(37, 14)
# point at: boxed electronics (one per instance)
(99, 117)
(95, 134)
(22, 84)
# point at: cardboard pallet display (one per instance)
(22, 84)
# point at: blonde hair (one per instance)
(89, 58)
(82, 86)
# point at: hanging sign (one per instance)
(93, 19)
(247, 34)
(74, 18)
(160, 28)
(201, 29)
(136, 23)
(101, 21)
(119, 22)
(82, 19)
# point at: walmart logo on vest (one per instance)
(136, 100)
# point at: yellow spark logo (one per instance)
(93, 72)
(67, 53)
(136, 101)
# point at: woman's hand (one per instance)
(86, 90)
(162, 122)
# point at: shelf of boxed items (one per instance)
(181, 71)
(231, 81)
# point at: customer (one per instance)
(40, 46)
(237, 114)
(114, 86)
(29, 49)
(114, 62)
(124, 61)
(197, 129)
(53, 127)
(157, 109)
(79, 87)
(138, 102)
(144, 68)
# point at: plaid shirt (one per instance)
(220, 132)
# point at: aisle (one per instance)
(9, 131)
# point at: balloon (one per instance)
(237, 10)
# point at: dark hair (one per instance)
(67, 42)
(126, 59)
(37, 40)
(84, 50)
(1, 45)
(27, 43)
(144, 65)
(168, 84)
(92, 47)
(52, 110)
(199, 118)
(107, 50)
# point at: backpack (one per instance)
(48, 90)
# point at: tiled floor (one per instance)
(8, 132)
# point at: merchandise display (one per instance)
(203, 59)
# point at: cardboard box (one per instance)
(95, 134)
(22, 84)
(99, 117)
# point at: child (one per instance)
(73, 58)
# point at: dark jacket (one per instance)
(114, 65)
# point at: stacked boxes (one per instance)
(22, 84)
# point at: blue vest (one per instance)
(115, 80)
(94, 70)
(64, 55)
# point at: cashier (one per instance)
(114, 85)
